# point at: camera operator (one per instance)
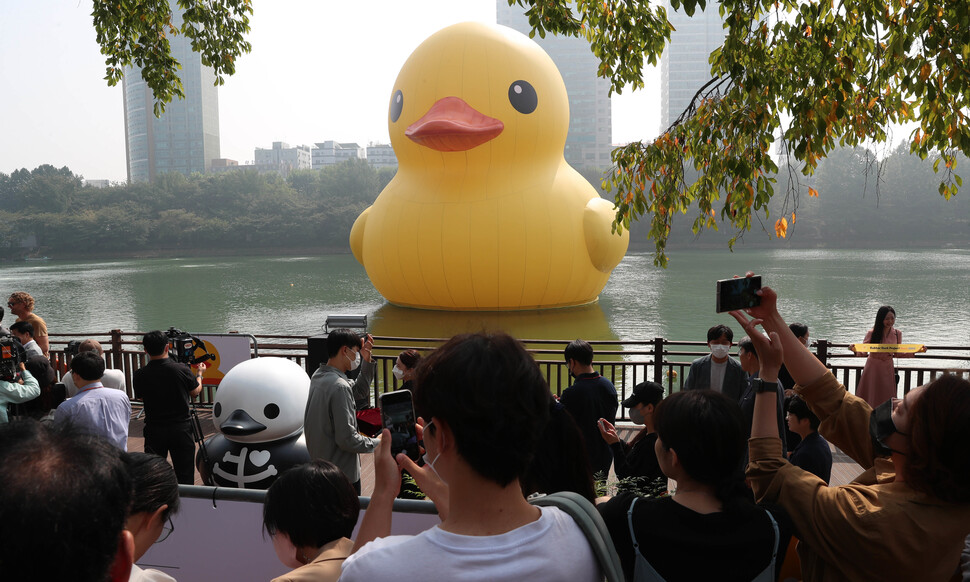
(16, 391)
(165, 386)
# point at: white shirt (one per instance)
(111, 379)
(717, 375)
(100, 410)
(550, 549)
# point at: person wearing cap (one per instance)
(638, 457)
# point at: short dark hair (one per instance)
(88, 365)
(706, 429)
(719, 330)
(313, 504)
(747, 345)
(579, 350)
(155, 342)
(493, 396)
(409, 358)
(24, 327)
(799, 329)
(339, 338)
(64, 497)
(800, 409)
(154, 484)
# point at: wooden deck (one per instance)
(844, 469)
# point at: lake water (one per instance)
(835, 292)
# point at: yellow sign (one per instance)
(889, 348)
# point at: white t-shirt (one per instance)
(717, 375)
(111, 379)
(552, 549)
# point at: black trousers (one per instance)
(175, 439)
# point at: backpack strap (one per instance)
(593, 527)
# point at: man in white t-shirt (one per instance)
(111, 378)
(487, 403)
(718, 370)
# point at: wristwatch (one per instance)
(760, 386)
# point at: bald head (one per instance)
(91, 345)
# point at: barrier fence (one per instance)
(624, 362)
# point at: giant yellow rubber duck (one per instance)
(484, 213)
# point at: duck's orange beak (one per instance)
(451, 125)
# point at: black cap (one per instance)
(645, 392)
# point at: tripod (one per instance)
(199, 438)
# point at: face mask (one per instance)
(398, 372)
(720, 350)
(355, 363)
(431, 463)
(881, 426)
(636, 416)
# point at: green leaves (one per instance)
(136, 34)
(803, 78)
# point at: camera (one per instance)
(183, 347)
(72, 348)
(11, 354)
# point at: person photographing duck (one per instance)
(907, 516)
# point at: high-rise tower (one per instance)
(684, 66)
(185, 139)
(590, 137)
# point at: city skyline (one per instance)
(318, 71)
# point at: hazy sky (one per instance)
(318, 70)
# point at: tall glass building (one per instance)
(590, 138)
(185, 139)
(684, 66)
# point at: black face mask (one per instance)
(881, 426)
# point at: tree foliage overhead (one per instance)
(137, 32)
(815, 74)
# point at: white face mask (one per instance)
(355, 363)
(398, 372)
(720, 350)
(808, 342)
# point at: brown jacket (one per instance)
(871, 529)
(325, 567)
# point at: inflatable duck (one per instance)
(484, 212)
(258, 410)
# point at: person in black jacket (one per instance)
(638, 457)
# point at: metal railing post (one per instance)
(658, 360)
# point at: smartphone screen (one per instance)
(738, 293)
(397, 416)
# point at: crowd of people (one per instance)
(494, 437)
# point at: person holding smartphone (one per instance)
(330, 418)
(907, 516)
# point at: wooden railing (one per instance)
(625, 363)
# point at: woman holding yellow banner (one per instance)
(878, 382)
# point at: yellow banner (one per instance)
(889, 348)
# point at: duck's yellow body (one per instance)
(484, 213)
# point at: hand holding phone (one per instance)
(397, 415)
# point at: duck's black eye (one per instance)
(218, 409)
(397, 105)
(523, 97)
(271, 411)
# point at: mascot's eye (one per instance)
(397, 105)
(218, 409)
(523, 97)
(271, 411)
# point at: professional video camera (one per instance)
(184, 346)
(11, 354)
(72, 348)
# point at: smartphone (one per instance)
(738, 293)
(397, 416)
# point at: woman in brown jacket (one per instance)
(907, 516)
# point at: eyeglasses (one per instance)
(11, 303)
(167, 530)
